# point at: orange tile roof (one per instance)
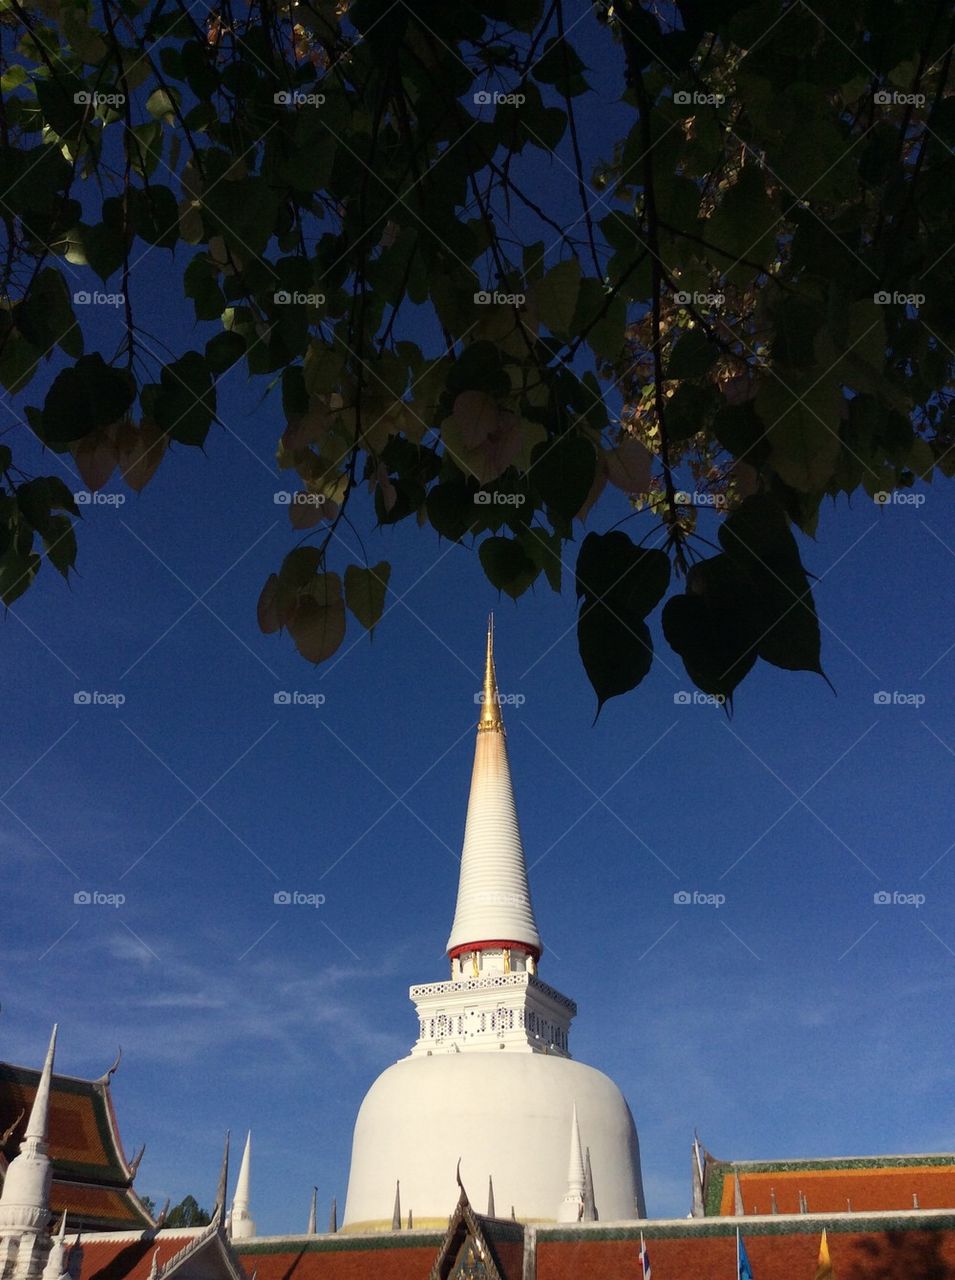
(94, 1204)
(92, 1179)
(888, 1255)
(129, 1259)
(394, 1261)
(79, 1131)
(870, 1190)
(872, 1184)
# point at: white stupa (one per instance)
(490, 1081)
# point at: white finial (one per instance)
(38, 1124)
(56, 1263)
(312, 1227)
(572, 1206)
(25, 1199)
(242, 1222)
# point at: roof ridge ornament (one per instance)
(111, 1071)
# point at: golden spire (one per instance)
(490, 699)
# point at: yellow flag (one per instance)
(824, 1265)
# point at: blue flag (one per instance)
(742, 1260)
(644, 1258)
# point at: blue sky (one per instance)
(799, 1017)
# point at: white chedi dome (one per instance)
(507, 1115)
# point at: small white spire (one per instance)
(39, 1123)
(56, 1263)
(396, 1213)
(697, 1209)
(572, 1206)
(25, 1199)
(242, 1223)
(312, 1228)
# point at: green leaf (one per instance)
(186, 403)
(556, 296)
(365, 591)
(104, 248)
(59, 542)
(562, 67)
(19, 360)
(46, 317)
(507, 565)
(154, 215)
(544, 548)
(299, 568)
(715, 627)
(692, 356)
(318, 623)
(744, 225)
(562, 471)
(451, 509)
(802, 416)
(758, 539)
(617, 652)
(57, 99)
(633, 580)
(161, 104)
(688, 411)
(223, 351)
(16, 573)
(87, 396)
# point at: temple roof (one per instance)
(890, 1246)
(494, 901)
(203, 1253)
(869, 1183)
(92, 1179)
(785, 1250)
(405, 1255)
